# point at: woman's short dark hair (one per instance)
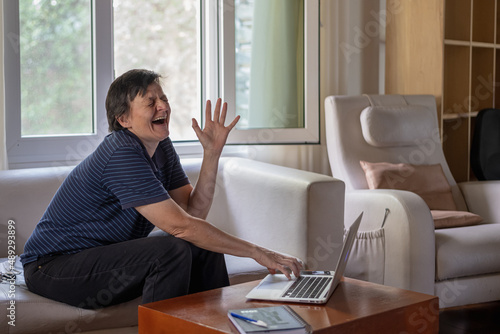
(124, 90)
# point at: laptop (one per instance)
(312, 286)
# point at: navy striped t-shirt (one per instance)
(95, 204)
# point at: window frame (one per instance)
(38, 151)
(310, 133)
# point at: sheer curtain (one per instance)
(3, 148)
(277, 65)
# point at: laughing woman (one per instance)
(90, 248)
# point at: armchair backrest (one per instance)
(383, 128)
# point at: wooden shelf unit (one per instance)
(450, 49)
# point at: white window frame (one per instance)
(309, 134)
(64, 149)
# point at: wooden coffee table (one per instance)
(355, 307)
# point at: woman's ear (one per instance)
(123, 120)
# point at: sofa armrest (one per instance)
(482, 199)
(409, 235)
(288, 210)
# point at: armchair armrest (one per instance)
(292, 211)
(409, 235)
(482, 199)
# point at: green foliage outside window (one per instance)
(56, 67)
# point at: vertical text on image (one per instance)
(11, 279)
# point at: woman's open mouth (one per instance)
(159, 120)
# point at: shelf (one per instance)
(498, 22)
(456, 42)
(451, 117)
(483, 45)
(483, 63)
(473, 44)
(456, 147)
(458, 18)
(483, 21)
(456, 89)
(497, 79)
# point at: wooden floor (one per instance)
(471, 319)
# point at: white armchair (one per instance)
(460, 265)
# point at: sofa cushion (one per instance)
(427, 181)
(39, 315)
(467, 251)
(446, 219)
(243, 269)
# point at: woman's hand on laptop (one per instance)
(274, 261)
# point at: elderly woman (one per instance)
(90, 248)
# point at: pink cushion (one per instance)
(445, 219)
(427, 181)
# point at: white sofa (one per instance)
(460, 265)
(292, 211)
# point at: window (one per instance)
(261, 56)
(55, 57)
(274, 48)
(58, 67)
(170, 45)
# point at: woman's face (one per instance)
(149, 117)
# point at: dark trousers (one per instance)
(156, 267)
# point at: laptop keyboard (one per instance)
(307, 287)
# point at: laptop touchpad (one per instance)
(274, 282)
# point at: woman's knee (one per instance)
(169, 249)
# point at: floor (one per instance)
(471, 319)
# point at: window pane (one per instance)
(163, 36)
(56, 67)
(269, 63)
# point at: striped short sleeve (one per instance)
(131, 178)
(170, 170)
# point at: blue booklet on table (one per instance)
(278, 319)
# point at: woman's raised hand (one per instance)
(214, 135)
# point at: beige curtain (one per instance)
(277, 65)
(3, 148)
